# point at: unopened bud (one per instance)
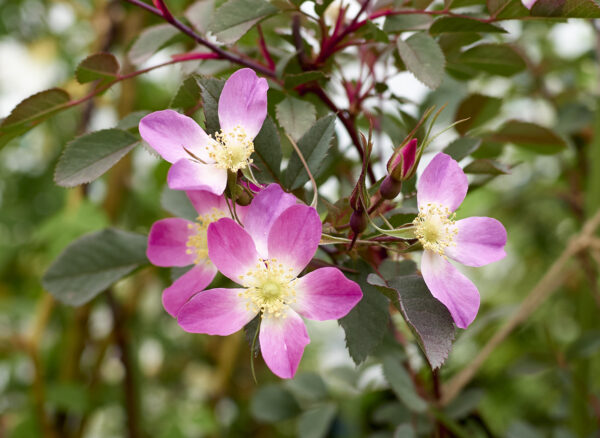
(402, 164)
(358, 221)
(390, 187)
(243, 198)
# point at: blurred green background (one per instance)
(62, 368)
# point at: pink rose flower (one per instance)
(201, 162)
(474, 241)
(278, 240)
(179, 242)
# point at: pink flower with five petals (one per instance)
(278, 240)
(179, 242)
(474, 241)
(201, 162)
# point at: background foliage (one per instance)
(119, 365)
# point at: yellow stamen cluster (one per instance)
(232, 149)
(270, 288)
(197, 243)
(435, 228)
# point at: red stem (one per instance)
(264, 50)
(216, 49)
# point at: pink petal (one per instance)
(189, 175)
(282, 342)
(186, 286)
(453, 289)
(442, 182)
(528, 3)
(262, 212)
(243, 102)
(295, 236)
(168, 132)
(409, 153)
(480, 240)
(231, 249)
(215, 312)
(325, 294)
(204, 201)
(167, 243)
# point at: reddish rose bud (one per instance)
(402, 165)
(358, 221)
(390, 187)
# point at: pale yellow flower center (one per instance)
(435, 228)
(197, 243)
(232, 149)
(270, 288)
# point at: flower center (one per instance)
(232, 149)
(270, 289)
(435, 228)
(197, 243)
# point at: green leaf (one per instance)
(292, 81)
(402, 385)
(149, 41)
(32, 111)
(316, 422)
(92, 263)
(452, 43)
(131, 121)
(234, 18)
(313, 145)
(89, 156)
(200, 14)
(267, 152)
(477, 109)
(370, 31)
(484, 166)
(272, 403)
(177, 203)
(307, 387)
(462, 147)
(428, 319)
(97, 66)
(188, 94)
(366, 324)
(529, 136)
(401, 23)
(423, 58)
(462, 24)
(566, 9)
(405, 430)
(407, 233)
(504, 9)
(496, 59)
(211, 90)
(295, 116)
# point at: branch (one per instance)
(214, 48)
(346, 119)
(131, 396)
(542, 290)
